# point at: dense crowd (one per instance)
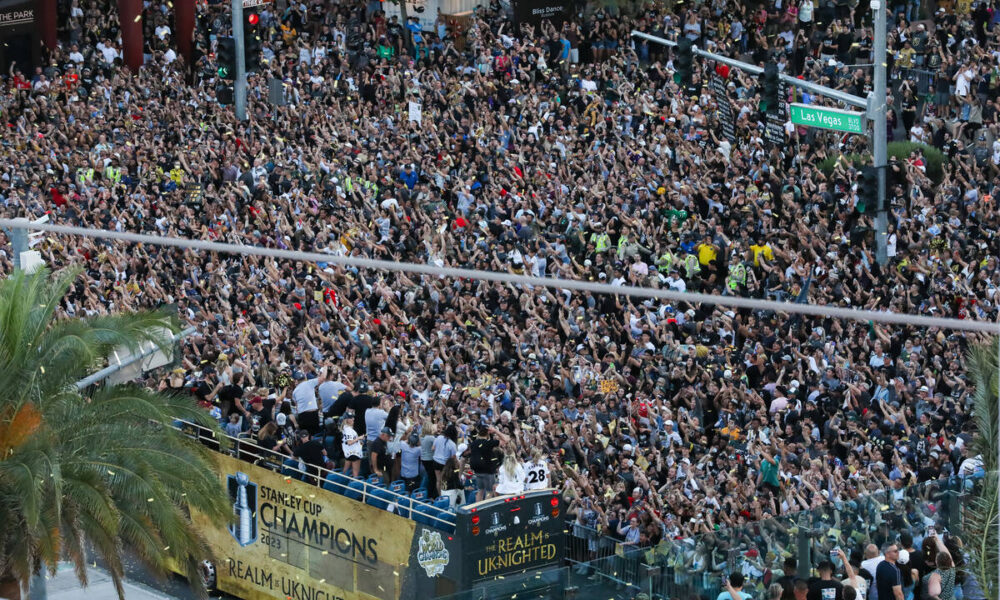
(563, 152)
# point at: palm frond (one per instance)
(107, 470)
(982, 511)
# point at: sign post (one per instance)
(726, 118)
(828, 118)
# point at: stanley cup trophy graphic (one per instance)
(244, 526)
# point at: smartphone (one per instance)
(834, 553)
(931, 532)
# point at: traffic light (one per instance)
(251, 44)
(225, 94)
(770, 88)
(225, 58)
(684, 62)
(867, 189)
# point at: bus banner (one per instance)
(289, 539)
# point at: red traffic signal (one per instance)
(253, 19)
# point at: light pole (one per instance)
(240, 84)
(879, 136)
(19, 242)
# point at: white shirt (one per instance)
(351, 444)
(871, 564)
(511, 485)
(963, 81)
(110, 53)
(162, 32)
(806, 11)
(536, 475)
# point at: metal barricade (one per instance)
(922, 78)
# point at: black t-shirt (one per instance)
(787, 583)
(917, 562)
(359, 404)
(887, 576)
(381, 448)
(825, 590)
(312, 453)
(228, 394)
(481, 459)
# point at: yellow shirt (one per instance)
(904, 58)
(758, 250)
(706, 254)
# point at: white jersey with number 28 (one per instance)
(536, 475)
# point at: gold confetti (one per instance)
(43, 369)
(137, 18)
(149, 499)
(165, 548)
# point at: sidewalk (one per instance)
(64, 586)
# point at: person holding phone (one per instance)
(826, 587)
(734, 588)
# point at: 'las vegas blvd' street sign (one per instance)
(827, 118)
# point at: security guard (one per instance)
(691, 266)
(622, 243)
(665, 262)
(601, 240)
(112, 174)
(84, 176)
(736, 282)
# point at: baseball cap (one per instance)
(387, 430)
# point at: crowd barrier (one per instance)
(693, 567)
(924, 79)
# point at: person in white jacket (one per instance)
(511, 475)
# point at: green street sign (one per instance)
(827, 118)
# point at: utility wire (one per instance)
(550, 282)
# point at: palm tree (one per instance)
(981, 514)
(104, 469)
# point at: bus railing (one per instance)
(338, 482)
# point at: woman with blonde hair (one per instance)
(511, 475)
